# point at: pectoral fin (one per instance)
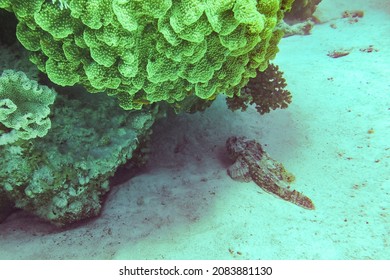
(239, 171)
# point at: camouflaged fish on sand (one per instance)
(253, 163)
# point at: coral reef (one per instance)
(145, 53)
(62, 177)
(267, 91)
(148, 51)
(253, 163)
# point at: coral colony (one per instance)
(60, 145)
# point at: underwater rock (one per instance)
(253, 163)
(300, 20)
(63, 177)
(301, 10)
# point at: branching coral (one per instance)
(267, 91)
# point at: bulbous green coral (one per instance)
(5, 4)
(24, 107)
(149, 51)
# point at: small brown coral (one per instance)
(267, 91)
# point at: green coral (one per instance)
(5, 4)
(24, 107)
(149, 51)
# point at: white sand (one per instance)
(184, 206)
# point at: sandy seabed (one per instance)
(334, 137)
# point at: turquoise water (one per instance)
(183, 205)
